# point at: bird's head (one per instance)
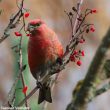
(34, 25)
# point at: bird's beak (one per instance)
(30, 28)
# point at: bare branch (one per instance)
(14, 20)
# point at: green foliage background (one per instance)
(19, 95)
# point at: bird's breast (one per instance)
(40, 54)
(43, 51)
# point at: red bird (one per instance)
(44, 48)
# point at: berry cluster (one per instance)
(17, 33)
(78, 36)
(75, 56)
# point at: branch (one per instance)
(80, 2)
(28, 96)
(14, 20)
(102, 90)
(21, 67)
(87, 87)
(18, 49)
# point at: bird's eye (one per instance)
(38, 24)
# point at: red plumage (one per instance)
(44, 48)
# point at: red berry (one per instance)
(82, 53)
(82, 41)
(72, 58)
(27, 35)
(24, 90)
(93, 11)
(79, 63)
(18, 34)
(92, 29)
(26, 15)
(75, 52)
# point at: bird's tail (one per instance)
(44, 94)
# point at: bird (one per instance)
(44, 48)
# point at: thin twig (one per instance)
(12, 23)
(102, 90)
(78, 11)
(21, 66)
(28, 96)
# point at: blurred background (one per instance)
(52, 12)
